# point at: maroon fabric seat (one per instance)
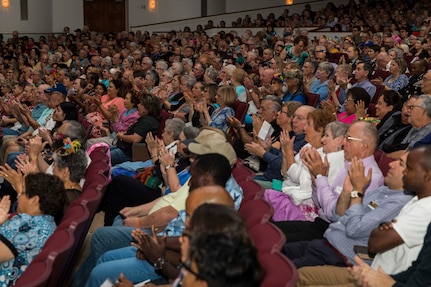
(312, 99)
(255, 212)
(279, 270)
(267, 237)
(242, 173)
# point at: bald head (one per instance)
(214, 194)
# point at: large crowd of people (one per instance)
(179, 93)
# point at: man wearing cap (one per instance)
(295, 90)
(365, 47)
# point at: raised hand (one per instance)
(4, 208)
(356, 172)
(315, 164)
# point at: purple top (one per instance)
(325, 196)
(125, 120)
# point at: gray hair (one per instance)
(347, 68)
(276, 102)
(179, 66)
(191, 132)
(398, 52)
(370, 133)
(162, 64)
(131, 60)
(148, 60)
(425, 104)
(314, 63)
(75, 131)
(327, 67)
(174, 126)
(76, 163)
(188, 61)
(189, 80)
(337, 128)
(212, 73)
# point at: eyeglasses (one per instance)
(411, 107)
(319, 51)
(283, 112)
(186, 266)
(349, 99)
(349, 138)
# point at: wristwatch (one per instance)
(158, 265)
(169, 166)
(355, 194)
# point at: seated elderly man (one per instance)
(42, 197)
(354, 225)
(359, 144)
(271, 155)
(397, 243)
(419, 112)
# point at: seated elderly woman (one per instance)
(148, 122)
(325, 137)
(39, 199)
(324, 71)
(70, 165)
(225, 98)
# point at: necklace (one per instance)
(73, 186)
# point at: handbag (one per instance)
(148, 176)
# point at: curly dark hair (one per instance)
(135, 98)
(152, 104)
(300, 38)
(392, 98)
(227, 239)
(359, 94)
(49, 188)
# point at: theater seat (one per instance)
(279, 270)
(255, 212)
(267, 237)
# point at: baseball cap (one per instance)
(212, 140)
(57, 88)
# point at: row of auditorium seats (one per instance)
(279, 270)
(53, 266)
